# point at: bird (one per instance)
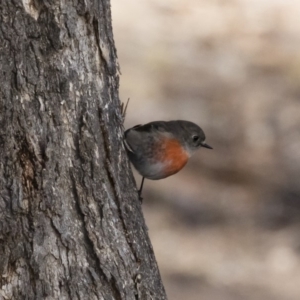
(160, 149)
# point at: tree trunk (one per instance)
(71, 225)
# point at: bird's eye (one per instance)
(195, 138)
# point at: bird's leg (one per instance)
(140, 190)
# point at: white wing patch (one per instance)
(127, 146)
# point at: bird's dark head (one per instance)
(192, 136)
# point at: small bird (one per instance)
(160, 149)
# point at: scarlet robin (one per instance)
(160, 149)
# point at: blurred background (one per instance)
(228, 225)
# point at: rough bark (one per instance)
(71, 225)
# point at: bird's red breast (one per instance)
(173, 156)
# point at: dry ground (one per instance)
(227, 226)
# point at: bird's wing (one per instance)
(135, 136)
(126, 142)
(132, 138)
(152, 127)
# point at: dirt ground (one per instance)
(226, 226)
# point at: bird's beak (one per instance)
(206, 146)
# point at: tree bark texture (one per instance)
(71, 225)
